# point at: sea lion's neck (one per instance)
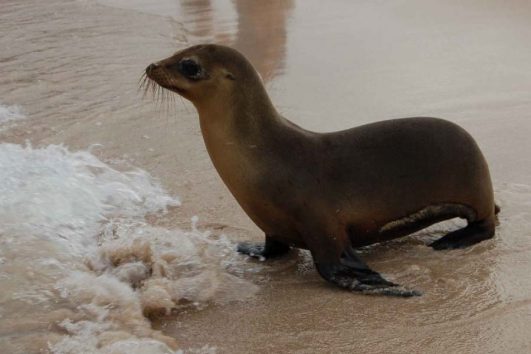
(247, 105)
(245, 116)
(236, 131)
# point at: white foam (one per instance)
(9, 114)
(77, 253)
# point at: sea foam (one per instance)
(9, 114)
(79, 261)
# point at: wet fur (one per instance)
(331, 192)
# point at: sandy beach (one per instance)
(118, 236)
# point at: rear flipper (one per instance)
(473, 233)
(352, 273)
(270, 249)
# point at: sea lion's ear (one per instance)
(229, 75)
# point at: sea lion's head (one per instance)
(205, 74)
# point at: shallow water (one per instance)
(99, 252)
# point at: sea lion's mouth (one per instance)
(154, 79)
(170, 87)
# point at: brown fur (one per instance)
(328, 192)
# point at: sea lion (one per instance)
(332, 192)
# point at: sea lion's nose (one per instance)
(151, 67)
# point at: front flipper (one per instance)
(353, 274)
(270, 249)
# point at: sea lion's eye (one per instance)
(190, 69)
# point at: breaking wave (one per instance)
(80, 263)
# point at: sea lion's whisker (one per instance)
(147, 86)
(144, 84)
(142, 79)
(184, 104)
(152, 85)
(161, 91)
(174, 104)
(157, 94)
(166, 101)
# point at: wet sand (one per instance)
(73, 66)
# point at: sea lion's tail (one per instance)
(496, 209)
